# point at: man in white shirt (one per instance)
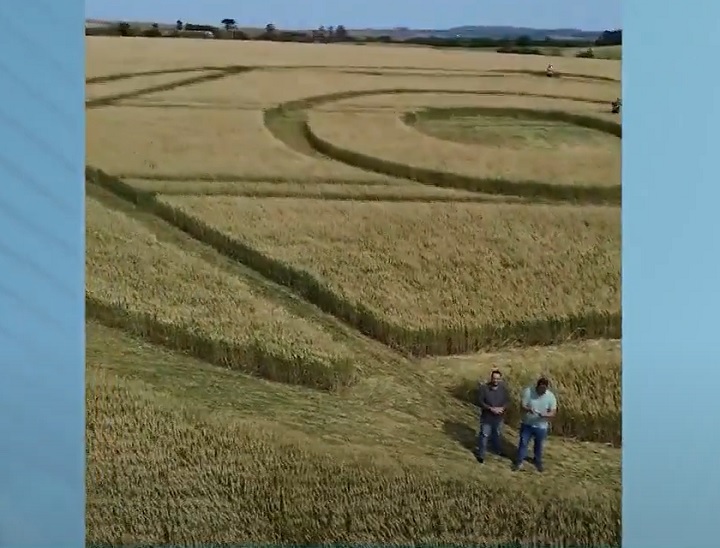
(540, 406)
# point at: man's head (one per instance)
(542, 385)
(495, 377)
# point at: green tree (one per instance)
(341, 34)
(178, 25)
(229, 24)
(523, 41)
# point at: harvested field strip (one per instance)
(329, 191)
(572, 368)
(229, 464)
(155, 290)
(110, 99)
(230, 179)
(448, 338)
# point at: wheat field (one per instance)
(302, 260)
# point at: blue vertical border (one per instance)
(42, 286)
(671, 274)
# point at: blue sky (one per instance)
(582, 14)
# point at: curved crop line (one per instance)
(250, 358)
(543, 74)
(415, 342)
(246, 178)
(374, 70)
(588, 194)
(295, 123)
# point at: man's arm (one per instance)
(526, 400)
(481, 397)
(506, 399)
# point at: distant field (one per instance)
(302, 260)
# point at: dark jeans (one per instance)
(490, 430)
(538, 435)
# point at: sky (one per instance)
(303, 14)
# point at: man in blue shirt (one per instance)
(539, 405)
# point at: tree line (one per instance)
(228, 29)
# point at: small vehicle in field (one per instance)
(550, 72)
(616, 105)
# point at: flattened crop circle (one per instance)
(511, 127)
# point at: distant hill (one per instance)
(401, 33)
(471, 31)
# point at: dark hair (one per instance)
(542, 381)
(495, 372)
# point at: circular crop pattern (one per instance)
(486, 141)
(510, 128)
(262, 218)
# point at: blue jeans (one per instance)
(538, 435)
(489, 431)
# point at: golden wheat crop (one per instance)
(268, 87)
(181, 451)
(113, 87)
(597, 106)
(157, 141)
(383, 135)
(110, 56)
(171, 467)
(437, 266)
(171, 296)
